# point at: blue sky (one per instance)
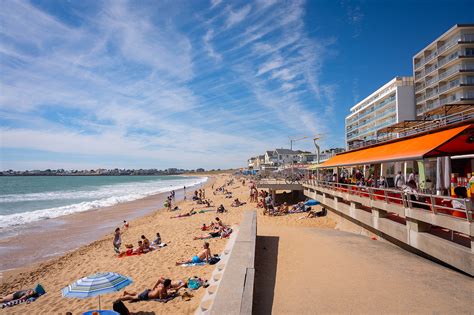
(157, 84)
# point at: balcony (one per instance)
(468, 38)
(431, 56)
(420, 98)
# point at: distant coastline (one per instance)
(108, 172)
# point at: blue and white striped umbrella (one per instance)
(96, 284)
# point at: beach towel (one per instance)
(127, 255)
(169, 298)
(202, 263)
(214, 260)
(204, 211)
(19, 301)
(165, 300)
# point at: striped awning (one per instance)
(96, 284)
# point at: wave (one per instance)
(106, 196)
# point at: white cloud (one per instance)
(215, 3)
(235, 17)
(208, 46)
(270, 65)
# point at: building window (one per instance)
(469, 51)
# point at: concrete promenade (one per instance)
(310, 271)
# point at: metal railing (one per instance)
(438, 205)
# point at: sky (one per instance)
(158, 84)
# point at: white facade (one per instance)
(270, 158)
(392, 103)
(444, 71)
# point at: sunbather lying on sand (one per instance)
(159, 291)
(18, 295)
(222, 233)
(175, 285)
(237, 203)
(187, 214)
(203, 256)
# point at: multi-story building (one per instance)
(444, 72)
(392, 103)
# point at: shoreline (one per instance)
(68, 233)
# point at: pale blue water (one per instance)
(26, 199)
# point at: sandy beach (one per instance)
(144, 269)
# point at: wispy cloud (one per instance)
(237, 16)
(208, 46)
(133, 83)
(215, 3)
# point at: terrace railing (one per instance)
(438, 205)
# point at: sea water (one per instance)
(27, 199)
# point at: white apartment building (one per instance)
(392, 103)
(444, 72)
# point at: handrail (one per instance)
(436, 204)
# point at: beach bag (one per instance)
(194, 283)
(39, 290)
(214, 260)
(120, 308)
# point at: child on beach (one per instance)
(117, 240)
(202, 256)
(125, 224)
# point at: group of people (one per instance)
(215, 229)
(144, 245)
(169, 201)
(253, 193)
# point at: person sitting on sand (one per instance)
(139, 249)
(217, 224)
(18, 295)
(146, 244)
(159, 291)
(126, 225)
(221, 209)
(202, 256)
(283, 209)
(237, 203)
(157, 240)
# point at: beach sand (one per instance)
(144, 269)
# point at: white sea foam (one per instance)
(105, 196)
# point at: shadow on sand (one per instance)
(266, 258)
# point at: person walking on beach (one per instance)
(184, 193)
(117, 240)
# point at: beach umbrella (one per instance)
(311, 202)
(96, 285)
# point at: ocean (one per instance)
(27, 199)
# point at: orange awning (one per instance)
(441, 143)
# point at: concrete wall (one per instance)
(413, 235)
(405, 103)
(232, 293)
